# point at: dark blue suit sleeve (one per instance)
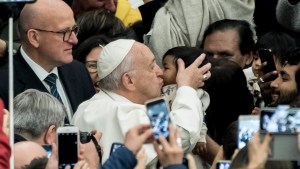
(121, 158)
(176, 166)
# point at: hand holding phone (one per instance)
(67, 142)
(266, 55)
(158, 112)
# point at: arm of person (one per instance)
(124, 157)
(187, 111)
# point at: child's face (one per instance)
(256, 64)
(170, 70)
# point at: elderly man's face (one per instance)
(225, 44)
(148, 75)
(110, 5)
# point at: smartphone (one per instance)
(223, 164)
(16, 1)
(48, 149)
(67, 142)
(283, 124)
(248, 126)
(280, 121)
(158, 112)
(114, 147)
(266, 55)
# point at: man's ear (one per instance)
(128, 82)
(50, 135)
(33, 37)
(249, 59)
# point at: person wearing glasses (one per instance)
(44, 60)
(88, 53)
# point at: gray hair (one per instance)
(35, 111)
(114, 79)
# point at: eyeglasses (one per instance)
(91, 66)
(67, 33)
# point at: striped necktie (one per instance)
(51, 81)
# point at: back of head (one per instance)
(243, 28)
(25, 152)
(230, 140)
(99, 22)
(229, 96)
(277, 41)
(187, 54)
(35, 111)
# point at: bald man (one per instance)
(44, 61)
(32, 151)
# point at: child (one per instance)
(188, 55)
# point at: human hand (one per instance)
(169, 153)
(3, 48)
(137, 136)
(255, 111)
(191, 160)
(258, 151)
(264, 83)
(5, 126)
(200, 148)
(142, 159)
(193, 76)
(89, 153)
(218, 157)
(146, 1)
(52, 162)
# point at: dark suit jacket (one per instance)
(74, 77)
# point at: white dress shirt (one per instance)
(42, 74)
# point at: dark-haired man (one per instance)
(231, 39)
(287, 85)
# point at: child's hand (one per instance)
(200, 148)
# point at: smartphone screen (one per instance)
(159, 117)
(48, 149)
(223, 164)
(266, 55)
(115, 146)
(248, 126)
(280, 120)
(67, 146)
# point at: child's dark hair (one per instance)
(187, 54)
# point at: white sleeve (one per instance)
(187, 114)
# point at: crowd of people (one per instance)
(92, 65)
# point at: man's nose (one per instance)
(110, 5)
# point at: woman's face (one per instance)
(256, 64)
(91, 64)
(170, 70)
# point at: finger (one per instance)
(146, 135)
(207, 75)
(164, 142)
(266, 77)
(298, 141)
(181, 65)
(157, 149)
(79, 164)
(54, 151)
(68, 167)
(172, 135)
(205, 68)
(191, 160)
(199, 60)
(140, 128)
(97, 135)
(267, 141)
